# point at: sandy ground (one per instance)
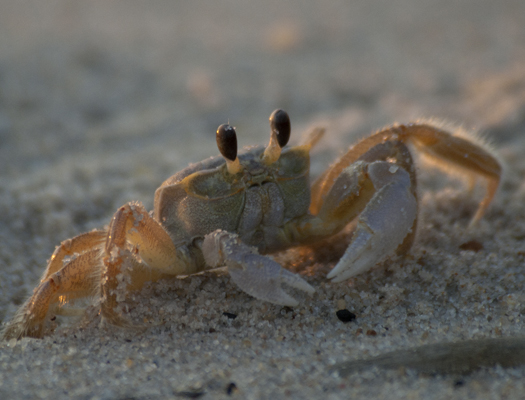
(102, 101)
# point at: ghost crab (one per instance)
(231, 210)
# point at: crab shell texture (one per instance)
(254, 203)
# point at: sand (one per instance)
(101, 102)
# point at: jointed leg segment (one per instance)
(139, 247)
(69, 247)
(78, 278)
(135, 249)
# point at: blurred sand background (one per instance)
(102, 101)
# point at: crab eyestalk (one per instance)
(227, 144)
(281, 128)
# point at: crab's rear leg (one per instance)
(78, 278)
(456, 154)
(59, 284)
(69, 247)
(134, 250)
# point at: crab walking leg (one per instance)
(69, 247)
(455, 154)
(132, 226)
(79, 278)
(29, 320)
(118, 266)
(257, 275)
(383, 225)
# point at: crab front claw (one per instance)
(257, 275)
(384, 223)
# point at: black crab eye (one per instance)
(280, 124)
(227, 141)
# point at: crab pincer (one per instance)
(384, 223)
(257, 275)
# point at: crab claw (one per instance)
(383, 225)
(257, 275)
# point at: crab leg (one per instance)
(137, 250)
(451, 152)
(133, 226)
(76, 245)
(257, 275)
(31, 317)
(459, 154)
(78, 278)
